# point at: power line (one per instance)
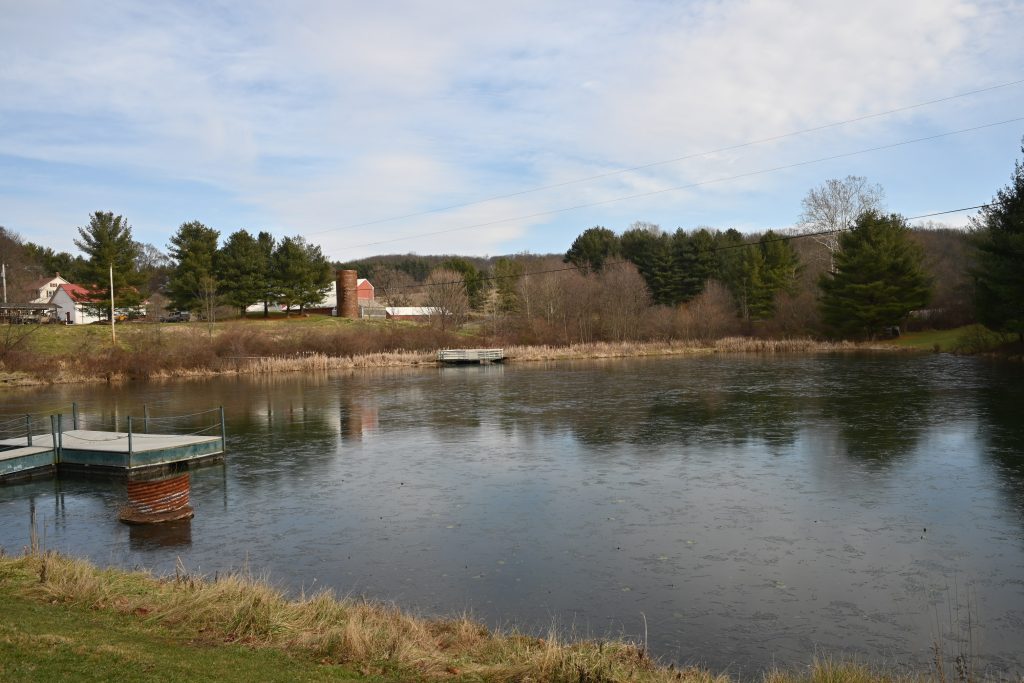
(676, 188)
(664, 162)
(714, 249)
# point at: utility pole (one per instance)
(3, 274)
(113, 334)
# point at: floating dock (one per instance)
(464, 356)
(104, 452)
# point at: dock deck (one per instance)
(26, 461)
(105, 452)
(460, 356)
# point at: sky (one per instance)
(486, 128)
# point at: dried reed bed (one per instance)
(239, 350)
(323, 362)
(630, 349)
(377, 639)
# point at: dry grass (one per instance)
(324, 345)
(375, 638)
(631, 349)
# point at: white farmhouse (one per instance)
(46, 288)
(72, 303)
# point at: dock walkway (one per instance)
(460, 356)
(105, 452)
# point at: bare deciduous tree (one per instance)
(446, 294)
(622, 300)
(835, 205)
(393, 287)
(708, 316)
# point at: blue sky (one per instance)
(314, 117)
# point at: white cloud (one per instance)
(321, 114)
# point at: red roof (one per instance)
(80, 294)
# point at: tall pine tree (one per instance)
(193, 283)
(241, 270)
(108, 244)
(999, 273)
(878, 278)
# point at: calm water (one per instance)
(755, 510)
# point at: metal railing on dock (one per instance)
(471, 355)
(162, 441)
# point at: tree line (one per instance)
(248, 269)
(851, 270)
(198, 274)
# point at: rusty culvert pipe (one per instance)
(348, 298)
(162, 500)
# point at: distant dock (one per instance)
(26, 451)
(465, 356)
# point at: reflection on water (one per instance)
(754, 510)
(177, 535)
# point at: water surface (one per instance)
(753, 510)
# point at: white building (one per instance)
(72, 303)
(46, 288)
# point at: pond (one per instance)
(741, 511)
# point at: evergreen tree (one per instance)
(108, 243)
(301, 273)
(695, 262)
(240, 268)
(193, 283)
(999, 273)
(268, 281)
(507, 273)
(651, 251)
(592, 249)
(878, 278)
(50, 262)
(471, 278)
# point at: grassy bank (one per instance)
(969, 339)
(61, 354)
(64, 618)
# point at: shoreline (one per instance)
(204, 618)
(320, 362)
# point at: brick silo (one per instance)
(348, 297)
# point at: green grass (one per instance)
(42, 641)
(66, 619)
(966, 339)
(928, 340)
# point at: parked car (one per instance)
(179, 317)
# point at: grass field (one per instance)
(966, 339)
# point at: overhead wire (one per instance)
(664, 162)
(676, 188)
(716, 248)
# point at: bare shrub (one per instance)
(709, 316)
(621, 299)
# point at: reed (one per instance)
(377, 639)
(243, 349)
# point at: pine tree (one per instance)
(108, 243)
(268, 282)
(193, 284)
(592, 248)
(301, 273)
(999, 273)
(241, 270)
(878, 280)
